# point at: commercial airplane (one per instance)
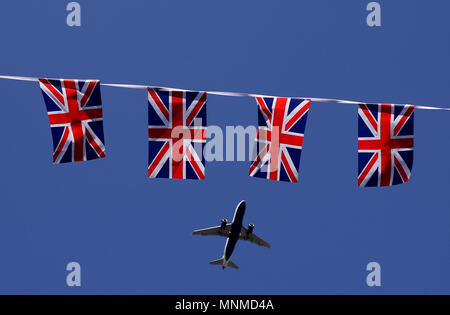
(233, 232)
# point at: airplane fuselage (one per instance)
(236, 227)
(233, 232)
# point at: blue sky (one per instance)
(133, 235)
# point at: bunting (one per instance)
(177, 131)
(176, 134)
(279, 140)
(76, 119)
(385, 144)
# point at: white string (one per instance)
(232, 94)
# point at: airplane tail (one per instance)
(232, 265)
(217, 262)
(221, 261)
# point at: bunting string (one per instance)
(233, 94)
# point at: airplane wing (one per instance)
(216, 230)
(252, 238)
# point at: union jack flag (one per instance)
(75, 113)
(385, 144)
(279, 140)
(176, 134)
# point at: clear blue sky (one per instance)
(133, 235)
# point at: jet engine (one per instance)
(250, 228)
(223, 224)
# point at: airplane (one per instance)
(233, 232)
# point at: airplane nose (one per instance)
(241, 205)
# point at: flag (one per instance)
(76, 120)
(279, 140)
(176, 134)
(385, 144)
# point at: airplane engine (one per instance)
(223, 224)
(250, 228)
